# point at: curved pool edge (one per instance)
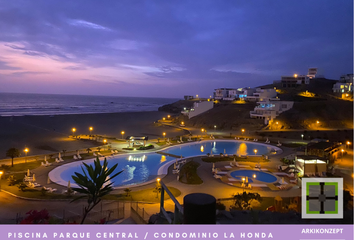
(54, 175)
(277, 179)
(278, 149)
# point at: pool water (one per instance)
(260, 176)
(216, 147)
(140, 168)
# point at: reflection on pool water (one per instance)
(217, 147)
(140, 168)
(137, 168)
(252, 174)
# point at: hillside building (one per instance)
(269, 110)
(260, 95)
(198, 108)
(315, 73)
(243, 93)
(294, 81)
(227, 94)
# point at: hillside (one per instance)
(312, 103)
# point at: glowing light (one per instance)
(243, 130)
(91, 128)
(254, 175)
(317, 122)
(105, 141)
(164, 119)
(137, 159)
(164, 134)
(276, 123)
(348, 143)
(158, 179)
(255, 151)
(74, 129)
(203, 130)
(295, 75)
(182, 123)
(243, 179)
(202, 148)
(168, 116)
(197, 95)
(342, 150)
(26, 150)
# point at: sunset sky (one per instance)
(168, 48)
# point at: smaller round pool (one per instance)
(260, 176)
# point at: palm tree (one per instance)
(12, 153)
(64, 151)
(94, 183)
(127, 191)
(88, 150)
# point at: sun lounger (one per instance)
(241, 166)
(221, 173)
(189, 140)
(175, 171)
(228, 167)
(293, 180)
(217, 176)
(57, 160)
(259, 185)
(233, 180)
(75, 157)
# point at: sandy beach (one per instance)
(45, 134)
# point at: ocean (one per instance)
(21, 104)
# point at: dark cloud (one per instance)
(217, 43)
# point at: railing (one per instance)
(138, 214)
(178, 214)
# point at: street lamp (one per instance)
(276, 123)
(104, 141)
(26, 151)
(214, 127)
(302, 136)
(163, 119)
(197, 95)
(255, 151)
(122, 132)
(243, 184)
(342, 150)
(168, 116)
(295, 75)
(164, 135)
(254, 175)
(1, 172)
(317, 122)
(73, 130)
(91, 128)
(242, 130)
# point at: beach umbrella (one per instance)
(28, 172)
(224, 151)
(246, 179)
(48, 180)
(34, 178)
(59, 156)
(174, 166)
(69, 186)
(45, 158)
(234, 159)
(282, 180)
(213, 165)
(180, 138)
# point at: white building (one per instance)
(315, 73)
(294, 81)
(198, 108)
(225, 94)
(262, 95)
(269, 110)
(348, 78)
(242, 93)
(342, 87)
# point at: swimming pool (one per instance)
(219, 146)
(142, 168)
(252, 174)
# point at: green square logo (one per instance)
(322, 198)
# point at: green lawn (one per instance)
(188, 173)
(147, 195)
